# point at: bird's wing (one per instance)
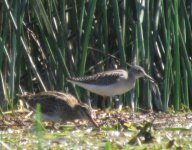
(66, 98)
(103, 78)
(48, 102)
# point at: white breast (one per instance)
(109, 90)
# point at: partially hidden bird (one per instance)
(59, 107)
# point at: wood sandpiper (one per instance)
(111, 83)
(59, 107)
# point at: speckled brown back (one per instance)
(50, 101)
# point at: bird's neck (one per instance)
(131, 76)
(131, 80)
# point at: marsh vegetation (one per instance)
(42, 43)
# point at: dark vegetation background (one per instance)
(44, 42)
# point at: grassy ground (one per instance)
(119, 130)
(42, 43)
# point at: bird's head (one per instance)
(84, 112)
(139, 72)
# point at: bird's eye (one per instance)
(139, 71)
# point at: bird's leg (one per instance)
(89, 100)
(118, 102)
(103, 101)
(109, 102)
(29, 114)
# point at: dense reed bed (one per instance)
(44, 42)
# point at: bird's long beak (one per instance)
(93, 121)
(149, 77)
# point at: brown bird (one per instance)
(59, 107)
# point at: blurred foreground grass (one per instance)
(119, 130)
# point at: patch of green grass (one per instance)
(42, 44)
(167, 131)
(103, 139)
(39, 129)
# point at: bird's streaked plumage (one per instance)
(110, 83)
(59, 107)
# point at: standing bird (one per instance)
(59, 107)
(111, 83)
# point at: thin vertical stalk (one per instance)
(81, 19)
(137, 91)
(12, 72)
(185, 85)
(124, 20)
(87, 36)
(140, 5)
(166, 26)
(176, 57)
(186, 61)
(105, 25)
(146, 29)
(119, 34)
(187, 22)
